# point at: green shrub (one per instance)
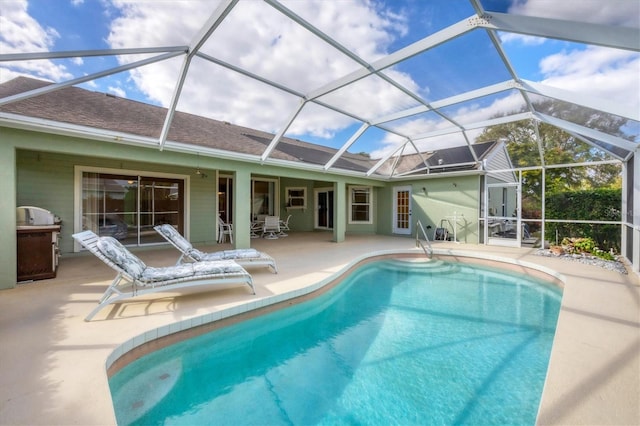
(592, 204)
(586, 246)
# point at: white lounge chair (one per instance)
(244, 257)
(135, 278)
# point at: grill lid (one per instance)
(34, 216)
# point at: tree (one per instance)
(560, 147)
(566, 183)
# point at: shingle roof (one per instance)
(444, 160)
(97, 110)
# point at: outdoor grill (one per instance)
(38, 233)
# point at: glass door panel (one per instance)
(225, 199)
(160, 202)
(109, 205)
(324, 209)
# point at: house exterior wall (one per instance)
(301, 219)
(439, 200)
(39, 169)
(363, 228)
(46, 179)
(304, 219)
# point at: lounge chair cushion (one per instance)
(152, 275)
(241, 254)
(188, 270)
(118, 254)
(220, 266)
(224, 255)
(173, 235)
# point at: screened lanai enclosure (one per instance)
(557, 82)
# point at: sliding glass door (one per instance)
(324, 208)
(127, 207)
(225, 198)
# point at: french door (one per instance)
(402, 210)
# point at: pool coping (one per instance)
(593, 375)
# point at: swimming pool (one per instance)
(396, 342)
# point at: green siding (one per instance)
(364, 228)
(442, 197)
(301, 219)
(202, 209)
(38, 169)
(384, 210)
(46, 180)
(8, 248)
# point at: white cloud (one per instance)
(602, 72)
(23, 34)
(525, 40)
(609, 12)
(466, 114)
(7, 74)
(91, 84)
(117, 91)
(599, 72)
(271, 46)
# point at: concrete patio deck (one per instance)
(52, 363)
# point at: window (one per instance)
(360, 204)
(296, 198)
(263, 198)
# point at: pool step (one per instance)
(423, 265)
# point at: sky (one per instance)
(258, 38)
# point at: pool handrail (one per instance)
(428, 250)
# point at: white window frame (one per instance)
(351, 191)
(289, 197)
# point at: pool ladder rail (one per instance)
(424, 243)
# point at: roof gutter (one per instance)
(459, 173)
(65, 129)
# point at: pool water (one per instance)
(395, 343)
